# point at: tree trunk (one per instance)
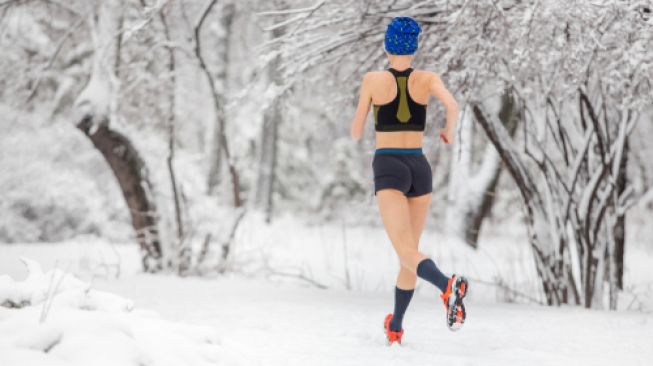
(615, 257)
(131, 173)
(218, 106)
(620, 225)
(93, 109)
(183, 249)
(274, 125)
(215, 159)
(473, 195)
(269, 137)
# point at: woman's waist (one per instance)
(399, 139)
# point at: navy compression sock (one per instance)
(402, 299)
(427, 270)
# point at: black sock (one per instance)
(427, 270)
(402, 299)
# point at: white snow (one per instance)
(53, 318)
(244, 318)
(262, 323)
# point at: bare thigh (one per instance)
(396, 216)
(418, 207)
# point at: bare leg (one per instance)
(404, 220)
(396, 216)
(418, 208)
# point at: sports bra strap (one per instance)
(396, 73)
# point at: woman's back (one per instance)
(384, 88)
(385, 91)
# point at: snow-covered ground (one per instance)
(256, 316)
(269, 324)
(259, 322)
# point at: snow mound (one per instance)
(54, 318)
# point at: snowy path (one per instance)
(264, 323)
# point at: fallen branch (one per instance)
(300, 276)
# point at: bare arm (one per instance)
(438, 90)
(364, 102)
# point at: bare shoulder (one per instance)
(374, 75)
(375, 78)
(377, 73)
(427, 77)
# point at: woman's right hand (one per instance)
(447, 135)
(440, 91)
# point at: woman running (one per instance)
(402, 175)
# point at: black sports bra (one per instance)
(402, 113)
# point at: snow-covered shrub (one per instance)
(53, 318)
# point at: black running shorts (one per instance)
(404, 169)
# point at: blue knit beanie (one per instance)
(401, 36)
